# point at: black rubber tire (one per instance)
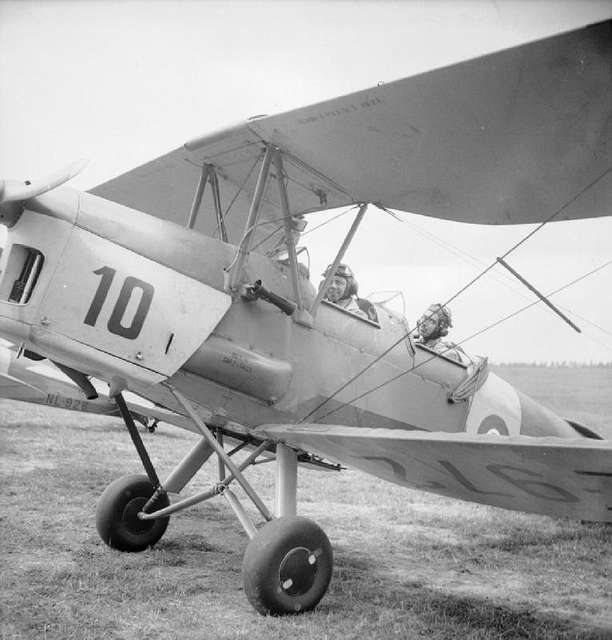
(116, 519)
(287, 566)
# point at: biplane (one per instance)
(213, 316)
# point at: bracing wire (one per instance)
(433, 357)
(556, 213)
(531, 304)
(275, 231)
(457, 294)
(339, 215)
(240, 188)
(474, 262)
(266, 238)
(505, 279)
(273, 221)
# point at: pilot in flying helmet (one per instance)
(432, 326)
(342, 289)
(434, 323)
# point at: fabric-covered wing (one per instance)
(552, 476)
(506, 138)
(166, 186)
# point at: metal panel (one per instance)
(126, 305)
(242, 369)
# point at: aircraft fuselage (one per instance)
(135, 300)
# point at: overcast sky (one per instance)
(123, 82)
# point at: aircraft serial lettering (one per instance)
(56, 400)
(366, 104)
(523, 479)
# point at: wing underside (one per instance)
(552, 476)
(511, 137)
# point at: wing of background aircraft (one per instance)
(40, 382)
(506, 138)
(553, 476)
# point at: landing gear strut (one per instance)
(288, 562)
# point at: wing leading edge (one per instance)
(551, 476)
(511, 137)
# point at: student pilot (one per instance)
(342, 291)
(433, 326)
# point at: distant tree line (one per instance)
(572, 364)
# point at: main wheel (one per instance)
(117, 514)
(287, 566)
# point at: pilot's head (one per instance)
(435, 322)
(342, 285)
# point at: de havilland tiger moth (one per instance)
(182, 281)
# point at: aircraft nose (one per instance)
(14, 193)
(37, 230)
(9, 211)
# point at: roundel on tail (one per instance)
(493, 424)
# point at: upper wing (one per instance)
(553, 476)
(506, 138)
(166, 187)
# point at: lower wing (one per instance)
(552, 476)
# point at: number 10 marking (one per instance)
(130, 284)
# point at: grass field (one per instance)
(407, 564)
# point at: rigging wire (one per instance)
(474, 261)
(272, 221)
(339, 215)
(531, 304)
(266, 238)
(281, 226)
(240, 188)
(451, 347)
(459, 292)
(556, 213)
(503, 278)
(594, 324)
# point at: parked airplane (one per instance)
(214, 322)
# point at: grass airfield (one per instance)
(407, 564)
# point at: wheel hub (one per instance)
(130, 515)
(298, 570)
